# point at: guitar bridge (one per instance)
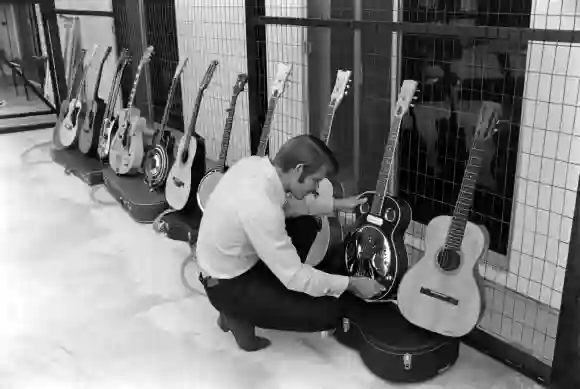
(178, 183)
(439, 296)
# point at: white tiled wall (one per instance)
(549, 159)
(208, 30)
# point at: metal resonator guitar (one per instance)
(376, 247)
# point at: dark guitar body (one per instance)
(89, 134)
(377, 250)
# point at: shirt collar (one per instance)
(276, 186)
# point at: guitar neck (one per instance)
(465, 199)
(99, 77)
(74, 75)
(267, 123)
(325, 134)
(115, 92)
(227, 133)
(135, 84)
(169, 103)
(386, 167)
(193, 122)
(83, 78)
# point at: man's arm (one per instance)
(264, 224)
(310, 205)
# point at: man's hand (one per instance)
(349, 203)
(364, 287)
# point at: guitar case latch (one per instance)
(345, 325)
(407, 358)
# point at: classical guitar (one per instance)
(159, 158)
(127, 148)
(441, 293)
(283, 72)
(330, 228)
(376, 247)
(76, 110)
(89, 134)
(178, 185)
(110, 122)
(211, 178)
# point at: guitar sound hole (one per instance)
(448, 260)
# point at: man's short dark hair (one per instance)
(309, 151)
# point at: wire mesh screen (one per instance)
(162, 34)
(526, 188)
(288, 44)
(207, 32)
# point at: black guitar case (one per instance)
(391, 347)
(183, 225)
(134, 196)
(88, 169)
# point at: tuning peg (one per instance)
(412, 105)
(415, 97)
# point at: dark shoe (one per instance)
(244, 333)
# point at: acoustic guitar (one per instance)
(376, 247)
(127, 148)
(110, 122)
(283, 72)
(75, 109)
(441, 293)
(211, 178)
(89, 134)
(330, 228)
(178, 186)
(160, 157)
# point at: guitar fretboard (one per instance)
(227, 133)
(135, 84)
(325, 134)
(386, 165)
(465, 199)
(267, 124)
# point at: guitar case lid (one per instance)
(134, 196)
(391, 347)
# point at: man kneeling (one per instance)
(250, 270)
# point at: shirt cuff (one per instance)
(339, 285)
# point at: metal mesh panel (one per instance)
(208, 31)
(527, 187)
(162, 34)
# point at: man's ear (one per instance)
(299, 168)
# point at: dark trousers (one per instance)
(258, 297)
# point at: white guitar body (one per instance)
(207, 186)
(68, 131)
(178, 186)
(322, 241)
(461, 284)
(125, 160)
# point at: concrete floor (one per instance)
(90, 299)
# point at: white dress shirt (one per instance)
(244, 222)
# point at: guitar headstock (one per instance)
(180, 67)
(208, 74)
(489, 116)
(107, 53)
(406, 97)
(341, 86)
(282, 77)
(146, 56)
(240, 83)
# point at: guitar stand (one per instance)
(89, 170)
